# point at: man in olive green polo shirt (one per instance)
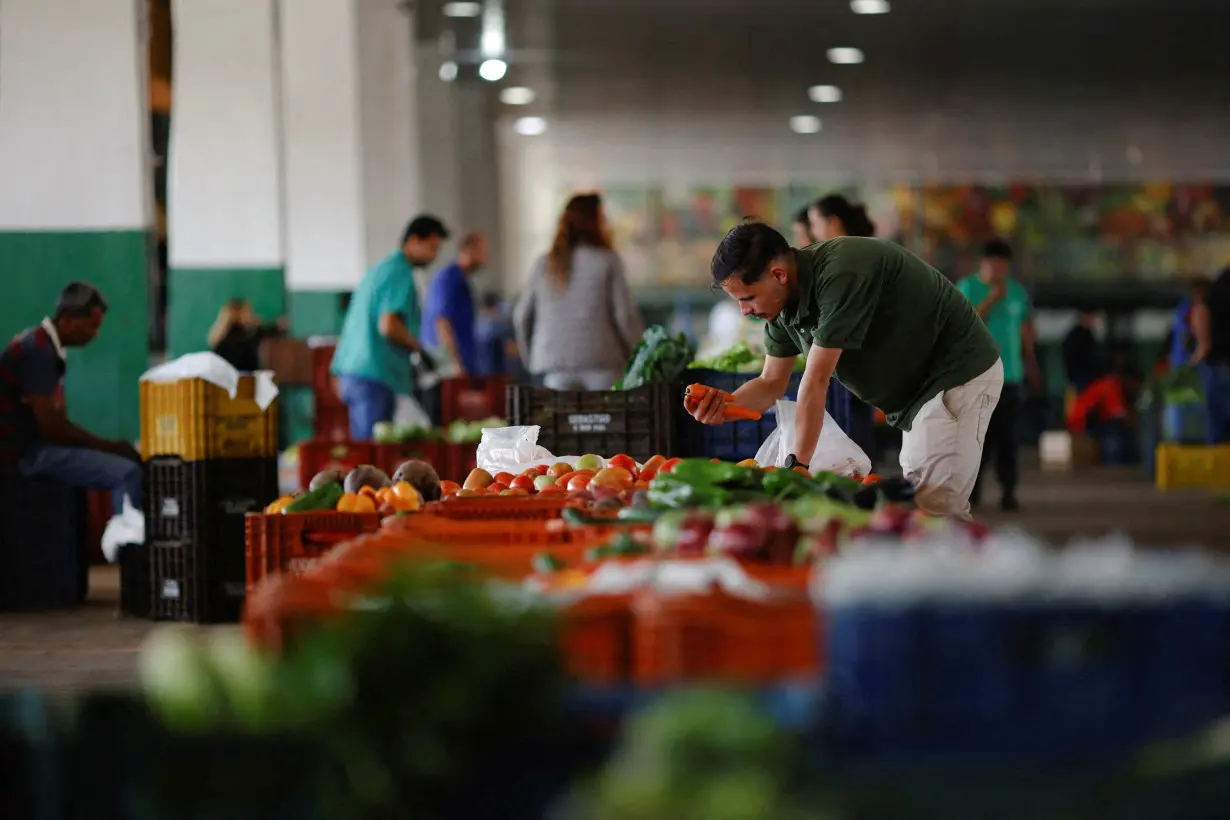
(890, 327)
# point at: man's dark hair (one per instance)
(747, 251)
(997, 249)
(79, 299)
(801, 217)
(491, 299)
(424, 226)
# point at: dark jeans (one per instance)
(1003, 442)
(88, 469)
(368, 402)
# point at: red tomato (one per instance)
(497, 487)
(541, 469)
(646, 475)
(669, 466)
(625, 461)
(577, 482)
(523, 482)
(504, 478)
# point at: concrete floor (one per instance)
(92, 646)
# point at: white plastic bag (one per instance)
(126, 528)
(216, 370)
(835, 452)
(407, 412)
(445, 368)
(514, 450)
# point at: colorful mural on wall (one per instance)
(1157, 231)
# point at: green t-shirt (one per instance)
(905, 332)
(1004, 321)
(361, 349)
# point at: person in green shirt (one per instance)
(381, 330)
(1004, 305)
(890, 327)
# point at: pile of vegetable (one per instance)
(657, 357)
(457, 432)
(470, 432)
(592, 478)
(433, 686)
(740, 358)
(365, 489)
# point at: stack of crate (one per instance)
(331, 421)
(210, 459)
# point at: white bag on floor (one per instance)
(407, 412)
(835, 452)
(126, 528)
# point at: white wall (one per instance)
(326, 246)
(73, 115)
(224, 181)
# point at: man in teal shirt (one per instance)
(1004, 305)
(381, 330)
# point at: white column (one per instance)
(224, 186)
(73, 115)
(350, 162)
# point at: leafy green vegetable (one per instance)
(468, 432)
(657, 357)
(738, 359)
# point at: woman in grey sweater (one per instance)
(576, 319)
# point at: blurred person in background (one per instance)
(1003, 304)
(381, 330)
(830, 217)
(497, 352)
(237, 334)
(448, 316)
(576, 319)
(1181, 345)
(800, 229)
(886, 323)
(1083, 361)
(1210, 322)
(35, 434)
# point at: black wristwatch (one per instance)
(792, 461)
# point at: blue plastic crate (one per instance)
(735, 441)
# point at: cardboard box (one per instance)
(1060, 450)
(289, 359)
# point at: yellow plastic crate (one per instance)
(196, 420)
(1193, 467)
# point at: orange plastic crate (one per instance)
(290, 542)
(597, 639)
(197, 420)
(499, 507)
(718, 637)
(495, 532)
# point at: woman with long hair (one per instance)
(831, 217)
(800, 228)
(237, 334)
(576, 320)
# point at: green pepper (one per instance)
(784, 485)
(625, 546)
(638, 515)
(545, 562)
(703, 471)
(670, 492)
(322, 498)
(827, 481)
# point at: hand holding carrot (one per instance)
(708, 405)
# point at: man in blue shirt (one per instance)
(448, 318)
(1004, 306)
(381, 330)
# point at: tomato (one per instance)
(623, 461)
(515, 491)
(497, 487)
(504, 478)
(578, 482)
(654, 464)
(449, 488)
(669, 465)
(646, 475)
(541, 469)
(523, 482)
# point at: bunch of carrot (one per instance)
(696, 393)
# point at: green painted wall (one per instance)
(194, 296)
(316, 312)
(101, 385)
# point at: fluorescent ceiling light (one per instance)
(448, 71)
(869, 6)
(824, 94)
(530, 126)
(492, 70)
(845, 56)
(805, 124)
(463, 9)
(517, 95)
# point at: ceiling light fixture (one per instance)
(845, 56)
(448, 71)
(493, 70)
(517, 95)
(530, 126)
(491, 42)
(824, 94)
(869, 6)
(463, 9)
(805, 124)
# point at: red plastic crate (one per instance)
(597, 639)
(315, 456)
(390, 456)
(322, 379)
(458, 461)
(473, 509)
(472, 399)
(290, 542)
(331, 421)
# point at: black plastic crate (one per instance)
(638, 422)
(194, 525)
(735, 440)
(42, 541)
(133, 560)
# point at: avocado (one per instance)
(366, 476)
